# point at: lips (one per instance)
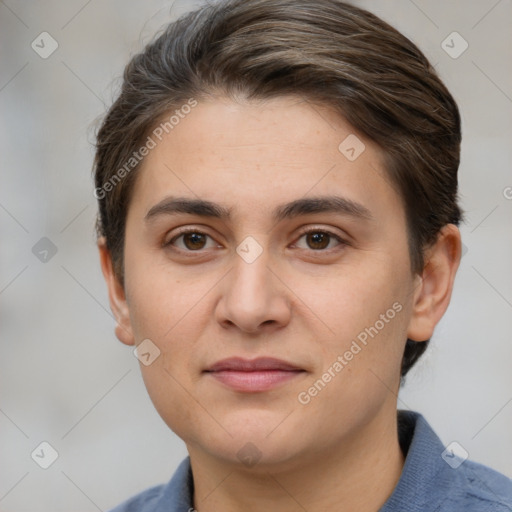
(257, 375)
(246, 365)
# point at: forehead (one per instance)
(251, 156)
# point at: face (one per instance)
(300, 254)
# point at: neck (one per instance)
(358, 476)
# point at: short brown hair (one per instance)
(327, 51)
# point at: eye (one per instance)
(320, 240)
(192, 240)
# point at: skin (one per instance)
(301, 300)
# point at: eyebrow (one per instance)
(322, 204)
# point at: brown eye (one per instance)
(194, 241)
(319, 240)
(190, 241)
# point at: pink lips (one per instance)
(255, 375)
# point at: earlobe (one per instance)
(116, 295)
(434, 289)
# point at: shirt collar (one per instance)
(423, 463)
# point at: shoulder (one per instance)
(482, 488)
(174, 496)
(435, 479)
(143, 502)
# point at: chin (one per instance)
(262, 456)
(251, 444)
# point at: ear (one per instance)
(433, 289)
(116, 295)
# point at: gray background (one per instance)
(64, 377)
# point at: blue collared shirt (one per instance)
(432, 480)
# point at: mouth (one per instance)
(251, 376)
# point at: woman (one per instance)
(277, 187)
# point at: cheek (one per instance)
(366, 312)
(360, 369)
(354, 298)
(169, 396)
(162, 301)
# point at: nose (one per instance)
(254, 297)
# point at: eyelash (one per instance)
(185, 231)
